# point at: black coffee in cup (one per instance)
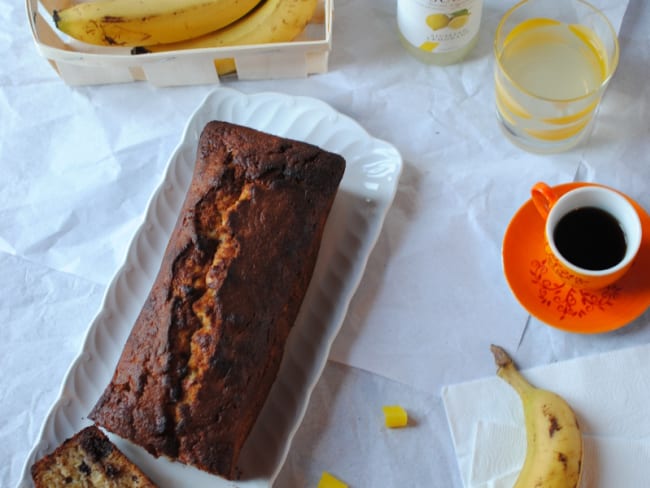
(590, 238)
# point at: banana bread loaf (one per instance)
(88, 459)
(206, 347)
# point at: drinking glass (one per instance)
(553, 62)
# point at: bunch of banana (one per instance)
(270, 21)
(554, 442)
(147, 22)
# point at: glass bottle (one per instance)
(439, 31)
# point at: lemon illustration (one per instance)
(458, 21)
(429, 46)
(437, 21)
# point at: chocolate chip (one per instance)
(112, 471)
(96, 445)
(84, 468)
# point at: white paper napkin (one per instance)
(610, 393)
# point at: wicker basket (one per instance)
(82, 64)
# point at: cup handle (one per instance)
(543, 197)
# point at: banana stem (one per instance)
(509, 372)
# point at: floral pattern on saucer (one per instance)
(568, 300)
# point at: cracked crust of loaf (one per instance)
(206, 347)
(88, 459)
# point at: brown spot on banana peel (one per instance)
(108, 19)
(553, 424)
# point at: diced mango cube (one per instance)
(395, 416)
(329, 481)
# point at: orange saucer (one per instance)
(558, 304)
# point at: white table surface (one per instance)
(78, 165)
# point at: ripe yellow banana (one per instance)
(554, 441)
(146, 22)
(271, 21)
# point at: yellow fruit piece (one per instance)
(459, 21)
(329, 481)
(271, 21)
(147, 22)
(429, 46)
(554, 447)
(395, 416)
(437, 21)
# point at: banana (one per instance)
(271, 21)
(146, 22)
(554, 441)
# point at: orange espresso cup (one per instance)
(592, 234)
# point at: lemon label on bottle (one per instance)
(439, 25)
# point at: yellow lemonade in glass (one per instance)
(549, 79)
